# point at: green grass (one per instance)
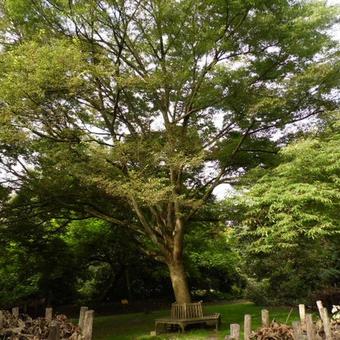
(139, 325)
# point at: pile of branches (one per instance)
(278, 331)
(335, 324)
(275, 331)
(335, 329)
(26, 328)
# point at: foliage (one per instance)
(93, 261)
(34, 270)
(288, 222)
(17, 279)
(212, 262)
(131, 102)
(299, 198)
(110, 264)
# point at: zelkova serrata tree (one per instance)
(156, 103)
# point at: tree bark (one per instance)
(179, 281)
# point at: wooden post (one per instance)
(53, 333)
(298, 335)
(235, 331)
(302, 313)
(265, 318)
(1, 319)
(310, 327)
(247, 326)
(49, 314)
(326, 324)
(82, 312)
(88, 324)
(15, 311)
(320, 306)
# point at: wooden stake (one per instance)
(297, 330)
(1, 319)
(302, 313)
(88, 325)
(247, 326)
(320, 306)
(235, 331)
(15, 311)
(265, 318)
(53, 333)
(82, 312)
(326, 324)
(310, 327)
(49, 314)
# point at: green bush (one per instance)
(257, 291)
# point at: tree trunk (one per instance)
(128, 283)
(179, 282)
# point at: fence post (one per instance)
(82, 312)
(247, 326)
(297, 330)
(235, 331)
(320, 306)
(88, 325)
(53, 333)
(326, 324)
(310, 327)
(48, 314)
(302, 313)
(15, 312)
(265, 318)
(1, 319)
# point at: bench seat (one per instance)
(187, 314)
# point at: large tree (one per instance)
(155, 103)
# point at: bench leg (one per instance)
(182, 327)
(218, 323)
(156, 329)
(157, 326)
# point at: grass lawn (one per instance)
(139, 325)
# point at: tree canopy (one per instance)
(148, 105)
(288, 222)
(298, 199)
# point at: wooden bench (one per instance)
(187, 314)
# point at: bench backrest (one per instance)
(186, 310)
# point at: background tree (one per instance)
(211, 257)
(111, 265)
(288, 223)
(154, 104)
(57, 257)
(36, 264)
